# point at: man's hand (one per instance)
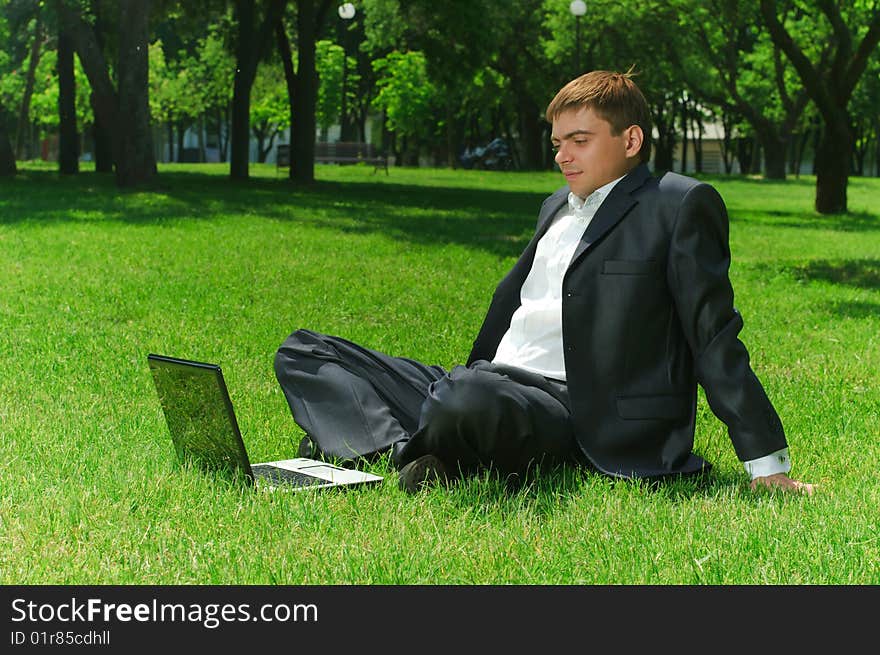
(783, 482)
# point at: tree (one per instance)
(407, 97)
(302, 84)
(270, 113)
(137, 161)
(252, 37)
(7, 156)
(750, 75)
(68, 140)
(38, 43)
(163, 91)
(126, 111)
(831, 85)
(457, 40)
(331, 63)
(214, 73)
(866, 119)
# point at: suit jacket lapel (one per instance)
(549, 210)
(614, 208)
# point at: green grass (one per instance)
(204, 268)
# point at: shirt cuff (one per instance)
(778, 462)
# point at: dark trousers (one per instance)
(355, 402)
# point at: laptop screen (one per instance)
(199, 414)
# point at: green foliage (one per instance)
(329, 61)
(406, 93)
(215, 68)
(44, 101)
(384, 27)
(185, 86)
(270, 108)
(163, 83)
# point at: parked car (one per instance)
(494, 156)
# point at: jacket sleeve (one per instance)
(698, 265)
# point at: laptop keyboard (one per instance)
(277, 475)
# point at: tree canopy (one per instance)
(782, 80)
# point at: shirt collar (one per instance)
(593, 200)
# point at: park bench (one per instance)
(339, 152)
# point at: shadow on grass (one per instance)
(550, 491)
(855, 309)
(497, 221)
(861, 273)
(849, 222)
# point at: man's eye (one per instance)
(554, 147)
(580, 142)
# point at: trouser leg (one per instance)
(351, 400)
(494, 416)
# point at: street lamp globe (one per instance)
(347, 11)
(578, 8)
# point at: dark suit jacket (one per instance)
(647, 313)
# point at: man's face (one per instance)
(588, 155)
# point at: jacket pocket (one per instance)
(630, 267)
(667, 406)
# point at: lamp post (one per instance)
(578, 8)
(346, 12)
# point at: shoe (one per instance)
(421, 471)
(306, 448)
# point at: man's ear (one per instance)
(633, 138)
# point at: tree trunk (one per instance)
(775, 148)
(247, 55)
(103, 141)
(684, 135)
(726, 142)
(530, 131)
(756, 156)
(664, 116)
(103, 98)
(181, 133)
(302, 160)
(860, 148)
(22, 138)
(7, 156)
(101, 131)
(137, 161)
(745, 153)
(200, 126)
(265, 153)
(245, 71)
(260, 134)
(170, 126)
(832, 168)
(877, 149)
(223, 132)
(283, 44)
(799, 156)
(451, 159)
(697, 131)
(68, 142)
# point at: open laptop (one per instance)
(204, 430)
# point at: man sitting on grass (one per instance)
(592, 346)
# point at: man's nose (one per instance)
(561, 155)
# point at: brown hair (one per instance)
(613, 96)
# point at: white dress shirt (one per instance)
(534, 339)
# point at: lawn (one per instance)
(209, 269)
